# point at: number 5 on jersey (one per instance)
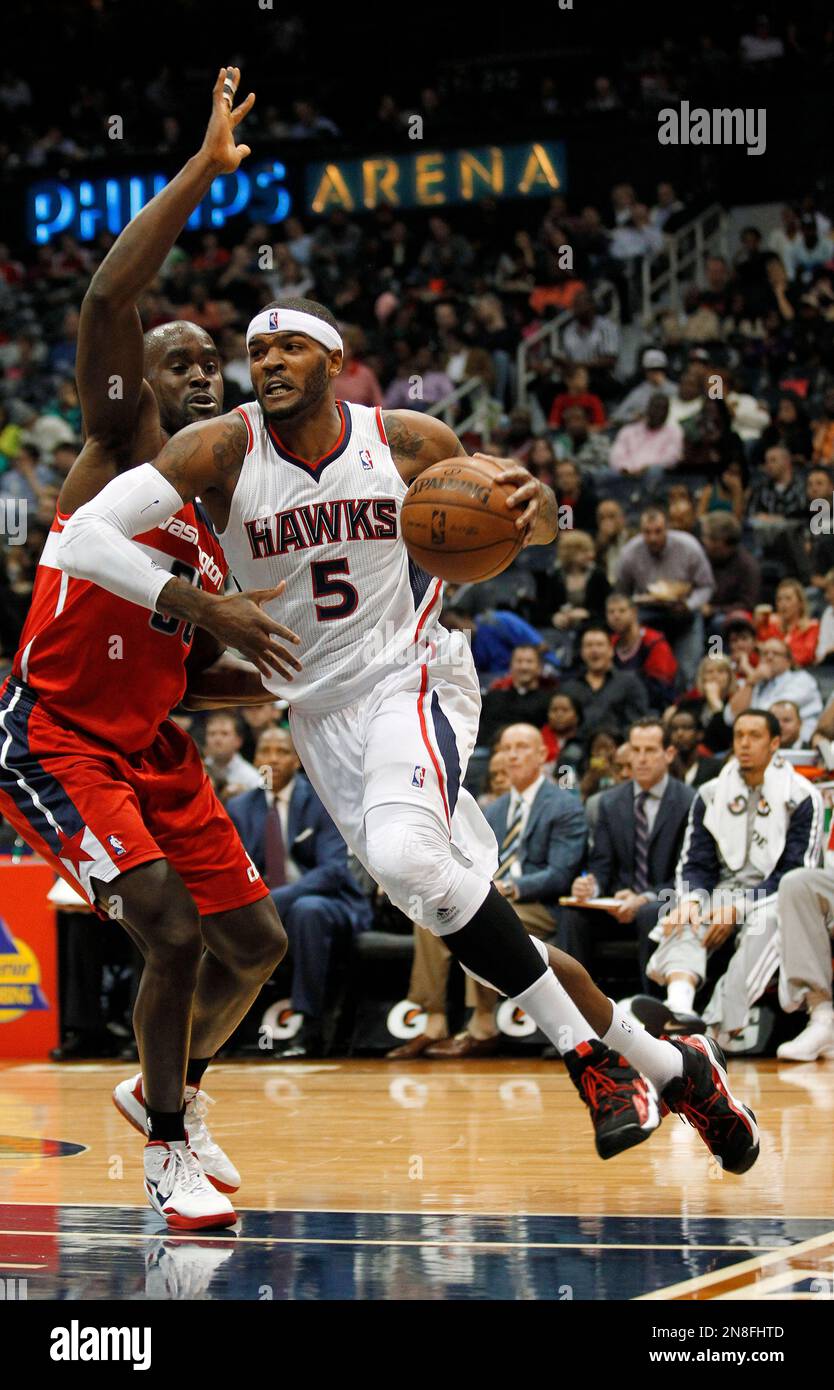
(325, 586)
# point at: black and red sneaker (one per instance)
(623, 1104)
(703, 1098)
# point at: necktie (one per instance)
(641, 844)
(275, 860)
(508, 853)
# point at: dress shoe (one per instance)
(461, 1046)
(415, 1047)
(305, 1046)
(78, 1047)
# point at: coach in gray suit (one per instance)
(541, 834)
(636, 848)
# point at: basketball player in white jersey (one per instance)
(305, 490)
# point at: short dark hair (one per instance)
(525, 647)
(227, 714)
(654, 509)
(621, 598)
(767, 715)
(306, 306)
(652, 721)
(595, 627)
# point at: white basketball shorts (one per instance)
(406, 742)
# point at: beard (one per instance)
(314, 390)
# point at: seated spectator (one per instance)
(612, 534)
(819, 490)
(541, 834)
(725, 493)
(356, 382)
(293, 842)
(650, 443)
(256, 719)
(736, 572)
(592, 340)
(642, 650)
(689, 397)
(230, 773)
(775, 678)
(419, 383)
(520, 697)
(576, 589)
(578, 491)
(710, 442)
(497, 780)
(562, 733)
(790, 724)
(824, 654)
(728, 879)
(693, 766)
(778, 490)
(655, 382)
(789, 428)
(637, 843)
(604, 695)
(578, 442)
(541, 460)
(806, 913)
(681, 509)
(822, 450)
(577, 394)
(601, 765)
(670, 576)
(740, 637)
(715, 683)
(493, 634)
(790, 622)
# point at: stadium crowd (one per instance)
(692, 581)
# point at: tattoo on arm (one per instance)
(409, 446)
(184, 463)
(547, 525)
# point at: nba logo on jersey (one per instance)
(419, 777)
(115, 844)
(365, 458)
(273, 321)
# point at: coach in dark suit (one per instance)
(303, 859)
(636, 848)
(541, 834)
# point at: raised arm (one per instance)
(114, 400)
(417, 441)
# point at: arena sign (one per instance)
(434, 178)
(86, 207)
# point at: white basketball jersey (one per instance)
(331, 530)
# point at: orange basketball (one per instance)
(456, 523)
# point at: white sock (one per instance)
(657, 1060)
(823, 1012)
(680, 996)
(551, 1007)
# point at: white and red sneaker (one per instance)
(129, 1100)
(179, 1190)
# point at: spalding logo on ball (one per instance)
(456, 523)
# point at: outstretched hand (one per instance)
(219, 140)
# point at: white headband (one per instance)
(294, 321)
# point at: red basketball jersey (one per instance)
(105, 665)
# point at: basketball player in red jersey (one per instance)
(306, 489)
(93, 774)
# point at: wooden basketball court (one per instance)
(365, 1180)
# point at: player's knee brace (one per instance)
(409, 855)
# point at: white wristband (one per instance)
(96, 541)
